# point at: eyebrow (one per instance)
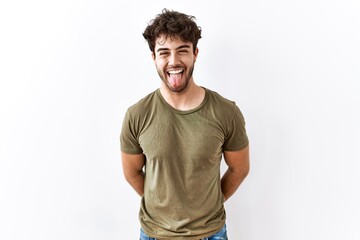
(180, 47)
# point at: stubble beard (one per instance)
(179, 88)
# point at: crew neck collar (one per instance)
(184, 112)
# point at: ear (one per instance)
(153, 55)
(196, 53)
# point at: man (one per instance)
(173, 140)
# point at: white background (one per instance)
(69, 70)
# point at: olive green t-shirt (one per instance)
(183, 149)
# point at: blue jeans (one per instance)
(221, 235)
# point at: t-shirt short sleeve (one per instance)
(129, 137)
(236, 137)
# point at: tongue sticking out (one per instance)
(175, 79)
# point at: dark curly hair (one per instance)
(172, 24)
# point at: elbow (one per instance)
(246, 172)
(130, 176)
(241, 172)
(127, 177)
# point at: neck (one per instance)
(190, 98)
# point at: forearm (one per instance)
(231, 181)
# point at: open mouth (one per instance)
(173, 73)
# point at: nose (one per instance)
(173, 59)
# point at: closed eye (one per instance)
(163, 53)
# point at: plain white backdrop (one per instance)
(69, 70)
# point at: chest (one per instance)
(194, 136)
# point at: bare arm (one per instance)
(238, 168)
(133, 170)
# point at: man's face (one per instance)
(174, 60)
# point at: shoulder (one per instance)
(223, 109)
(143, 105)
(221, 103)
